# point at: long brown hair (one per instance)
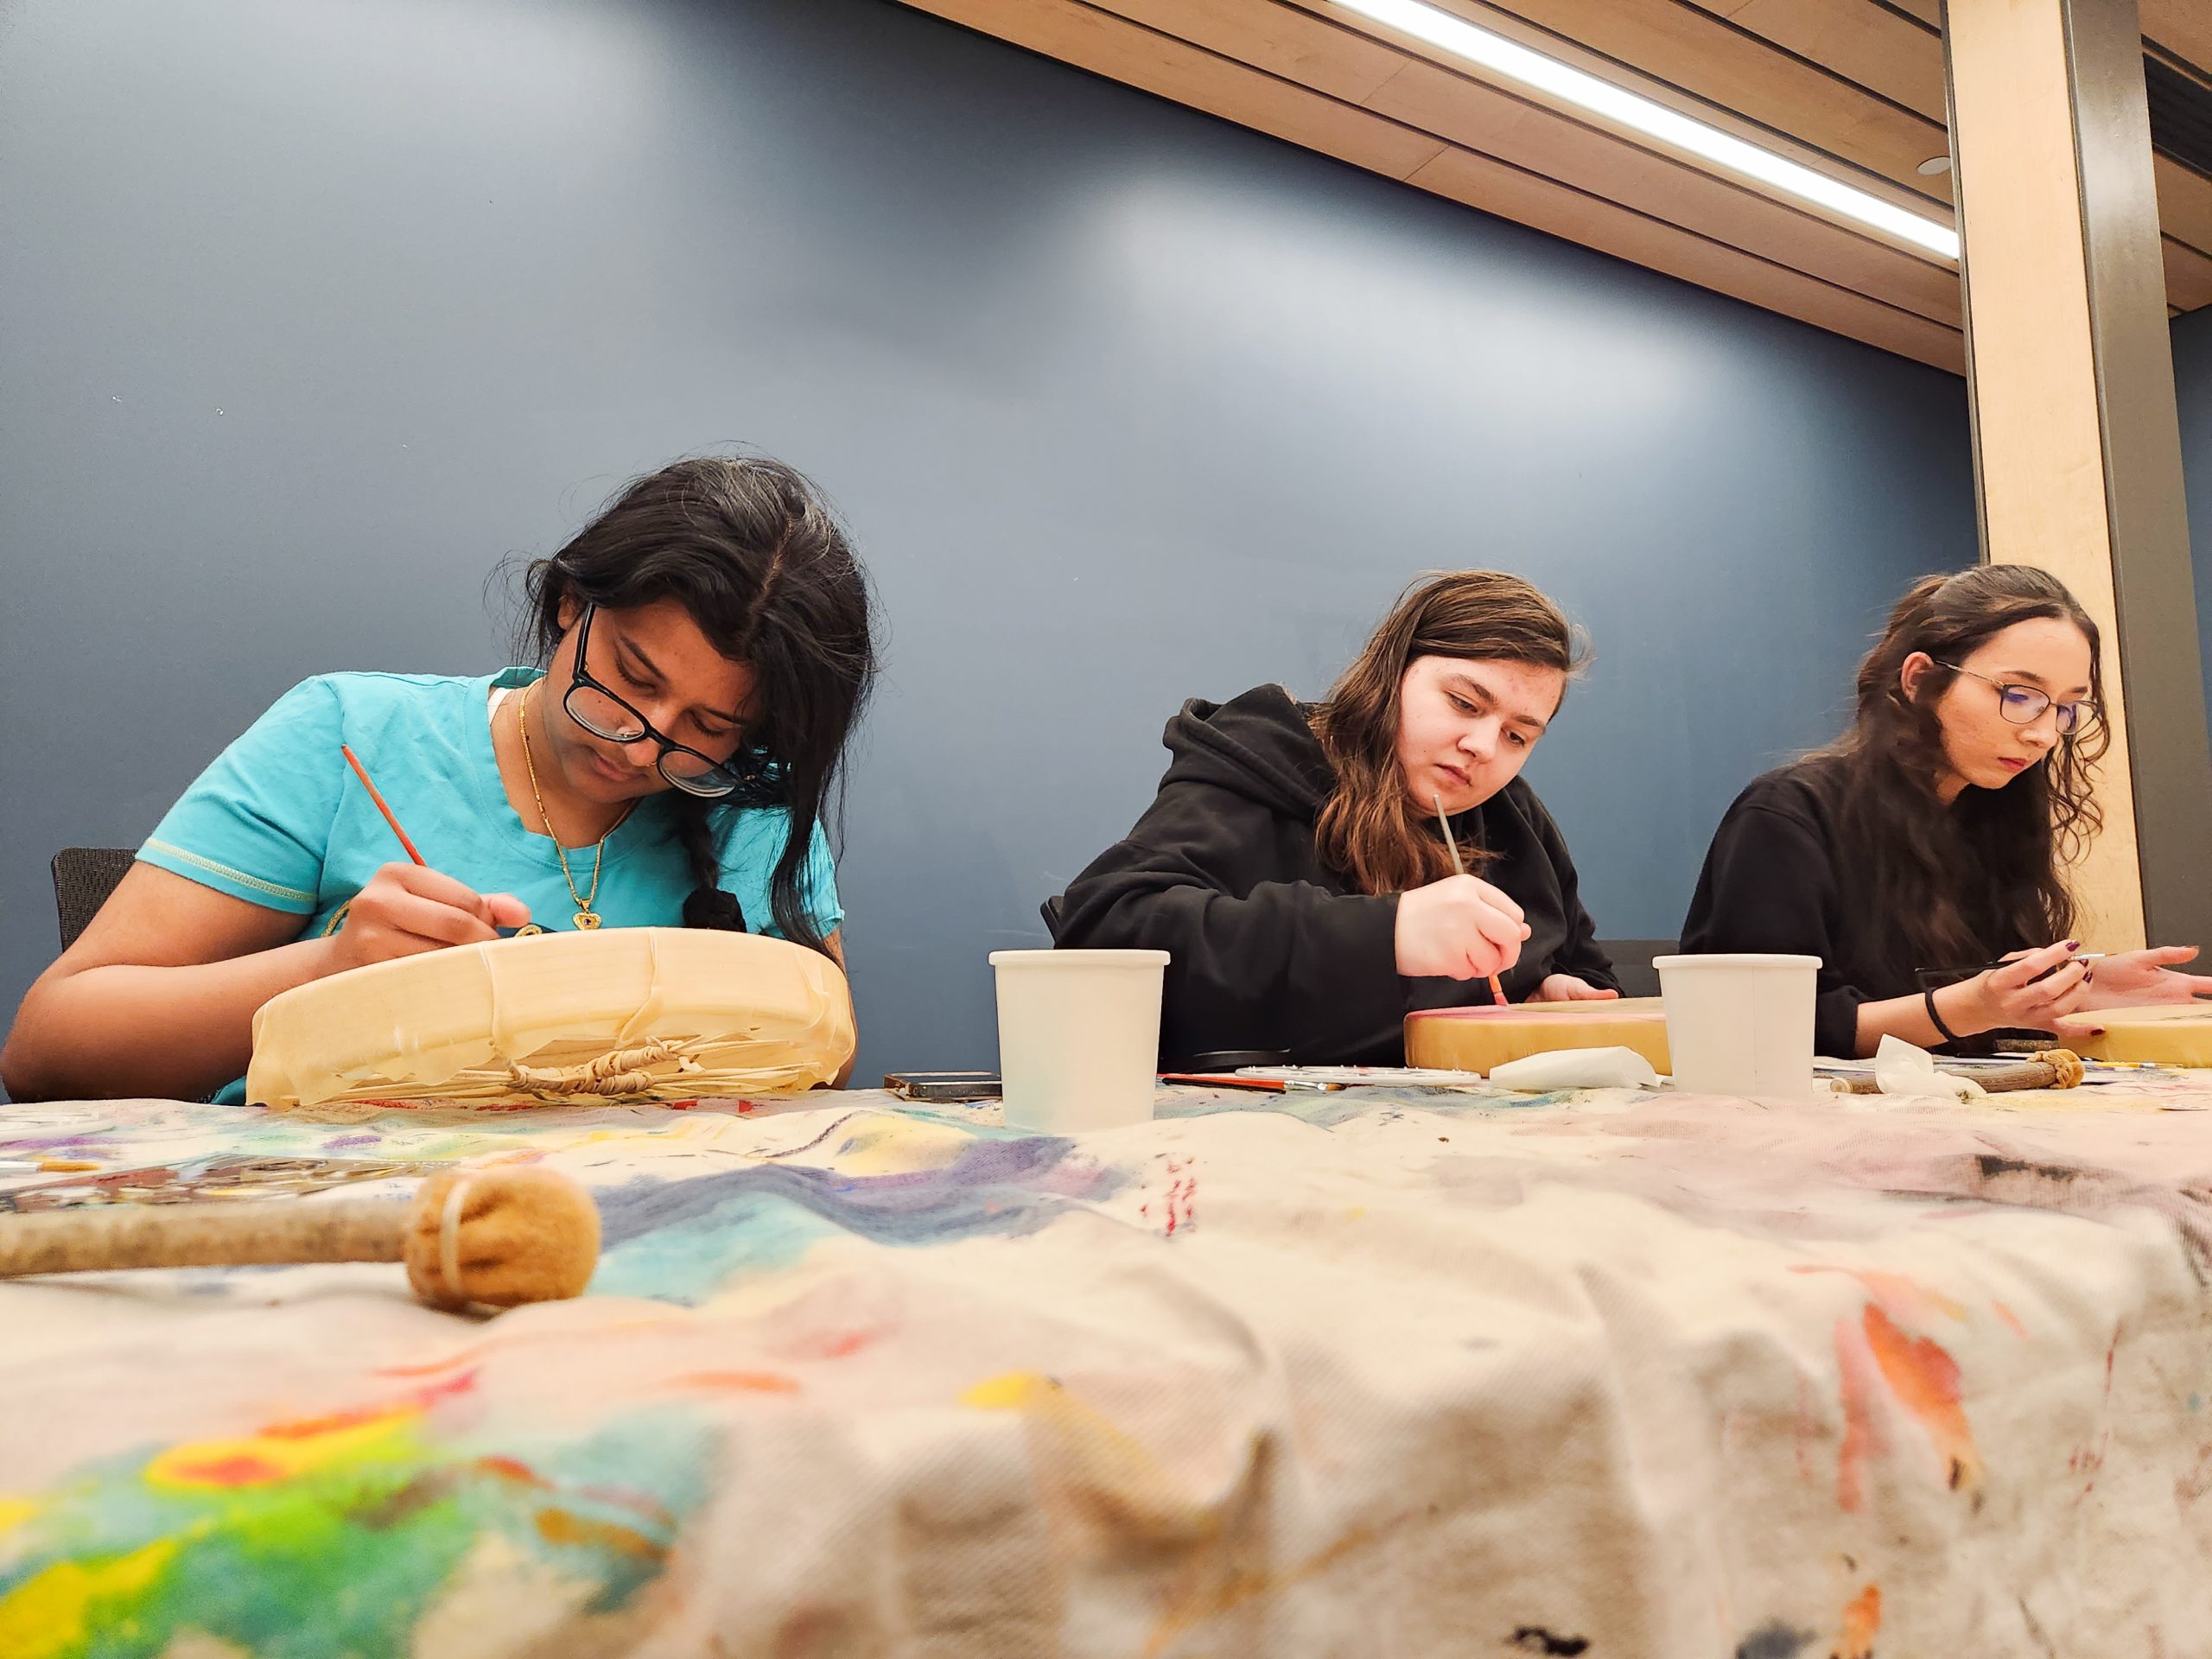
(1370, 828)
(1993, 860)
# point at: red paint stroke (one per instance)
(2198, 1481)
(2090, 1460)
(1862, 1622)
(514, 1469)
(565, 1527)
(236, 1470)
(654, 1512)
(1862, 1430)
(459, 1357)
(1925, 1380)
(830, 1344)
(1804, 1425)
(744, 1381)
(308, 1428)
(414, 1400)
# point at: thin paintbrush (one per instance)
(392, 819)
(361, 773)
(1451, 846)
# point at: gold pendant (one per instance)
(585, 921)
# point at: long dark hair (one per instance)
(750, 550)
(1984, 875)
(1368, 828)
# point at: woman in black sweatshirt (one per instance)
(1292, 864)
(1933, 836)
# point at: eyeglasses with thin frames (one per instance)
(2022, 705)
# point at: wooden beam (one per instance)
(1885, 51)
(1558, 143)
(1127, 51)
(2184, 203)
(2188, 274)
(1116, 46)
(1476, 117)
(2076, 440)
(2183, 27)
(1704, 56)
(1496, 187)
(1917, 196)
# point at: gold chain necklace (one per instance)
(586, 918)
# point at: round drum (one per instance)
(1475, 1039)
(625, 1013)
(2170, 1033)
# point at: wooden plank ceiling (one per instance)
(1854, 88)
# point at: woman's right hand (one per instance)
(2012, 996)
(1459, 928)
(406, 910)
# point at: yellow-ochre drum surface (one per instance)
(1475, 1039)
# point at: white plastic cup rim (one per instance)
(1743, 959)
(1047, 958)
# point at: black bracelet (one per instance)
(1936, 1020)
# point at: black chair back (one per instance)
(83, 879)
(1631, 960)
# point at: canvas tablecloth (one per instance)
(1364, 1373)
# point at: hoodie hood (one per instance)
(1260, 746)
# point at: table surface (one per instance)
(1382, 1372)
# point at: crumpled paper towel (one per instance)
(1901, 1068)
(1577, 1068)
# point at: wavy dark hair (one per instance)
(749, 548)
(1369, 826)
(1984, 875)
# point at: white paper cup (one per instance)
(1740, 1024)
(1078, 1037)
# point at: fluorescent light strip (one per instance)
(1549, 75)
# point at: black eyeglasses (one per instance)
(2024, 705)
(602, 713)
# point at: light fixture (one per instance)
(1517, 62)
(1934, 167)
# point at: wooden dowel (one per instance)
(246, 1233)
(499, 1236)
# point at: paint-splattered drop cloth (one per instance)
(1354, 1374)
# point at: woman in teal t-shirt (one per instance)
(708, 647)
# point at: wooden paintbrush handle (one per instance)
(93, 1239)
(2047, 1068)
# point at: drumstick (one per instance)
(499, 1236)
(362, 773)
(2047, 1068)
(1451, 845)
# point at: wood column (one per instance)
(2078, 445)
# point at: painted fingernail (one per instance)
(2073, 945)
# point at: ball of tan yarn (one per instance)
(519, 1234)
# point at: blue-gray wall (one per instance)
(314, 309)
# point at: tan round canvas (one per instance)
(2169, 1034)
(625, 1014)
(1475, 1039)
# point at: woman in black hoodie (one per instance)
(1293, 867)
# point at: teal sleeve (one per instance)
(755, 842)
(256, 824)
(821, 901)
